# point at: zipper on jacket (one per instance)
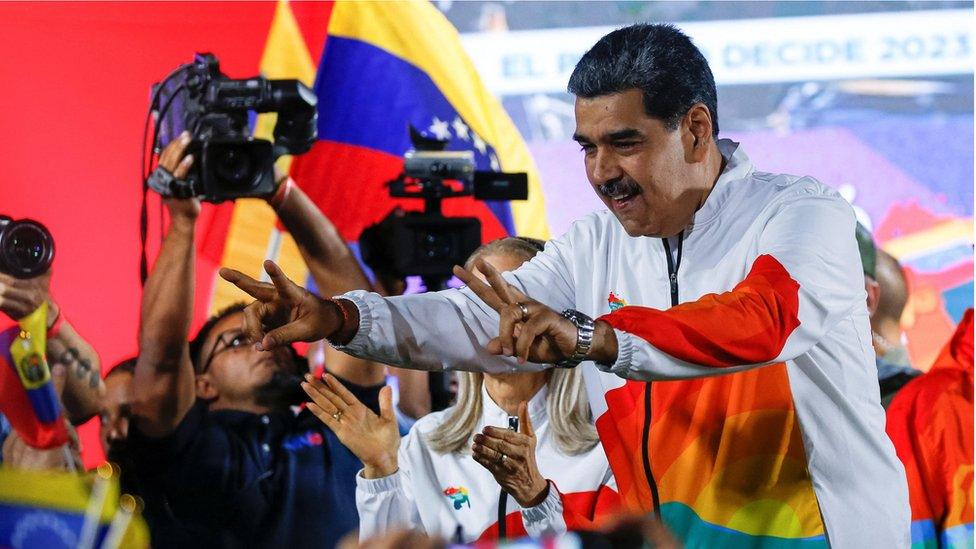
(673, 264)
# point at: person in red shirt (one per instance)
(931, 424)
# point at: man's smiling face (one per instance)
(637, 166)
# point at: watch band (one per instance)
(584, 338)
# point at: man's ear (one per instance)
(697, 132)
(874, 294)
(205, 388)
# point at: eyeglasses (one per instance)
(232, 339)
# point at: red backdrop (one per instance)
(74, 85)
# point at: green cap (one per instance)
(865, 246)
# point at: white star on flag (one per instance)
(439, 129)
(460, 128)
(479, 143)
(494, 162)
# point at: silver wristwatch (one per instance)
(584, 338)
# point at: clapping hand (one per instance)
(374, 439)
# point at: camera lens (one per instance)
(26, 249)
(234, 166)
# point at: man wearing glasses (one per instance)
(218, 448)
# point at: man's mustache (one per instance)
(618, 187)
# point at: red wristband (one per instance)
(282, 193)
(55, 328)
(342, 310)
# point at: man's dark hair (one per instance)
(127, 366)
(196, 344)
(659, 60)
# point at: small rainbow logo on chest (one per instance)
(615, 302)
(458, 496)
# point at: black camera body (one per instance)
(427, 243)
(229, 162)
(26, 248)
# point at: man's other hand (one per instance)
(527, 329)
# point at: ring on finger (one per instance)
(524, 309)
(337, 416)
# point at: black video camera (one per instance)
(229, 162)
(428, 244)
(26, 248)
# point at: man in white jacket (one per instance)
(733, 377)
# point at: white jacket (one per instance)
(763, 424)
(438, 493)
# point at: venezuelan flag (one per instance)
(383, 65)
(54, 509)
(27, 394)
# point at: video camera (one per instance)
(26, 248)
(230, 163)
(427, 243)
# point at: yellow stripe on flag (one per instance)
(415, 31)
(252, 227)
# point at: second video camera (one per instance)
(229, 162)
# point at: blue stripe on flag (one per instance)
(368, 96)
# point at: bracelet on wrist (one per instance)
(55, 328)
(281, 194)
(343, 312)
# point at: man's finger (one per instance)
(254, 288)
(174, 151)
(282, 283)
(508, 317)
(184, 167)
(499, 284)
(483, 291)
(286, 335)
(527, 336)
(253, 325)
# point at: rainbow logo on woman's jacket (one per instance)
(459, 496)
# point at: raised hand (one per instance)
(527, 329)
(374, 439)
(283, 312)
(510, 456)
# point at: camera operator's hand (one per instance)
(21, 297)
(173, 160)
(291, 312)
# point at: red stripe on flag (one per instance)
(15, 405)
(348, 183)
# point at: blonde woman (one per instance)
(461, 473)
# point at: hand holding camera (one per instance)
(228, 162)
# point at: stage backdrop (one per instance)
(75, 90)
(77, 80)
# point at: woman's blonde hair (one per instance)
(566, 404)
